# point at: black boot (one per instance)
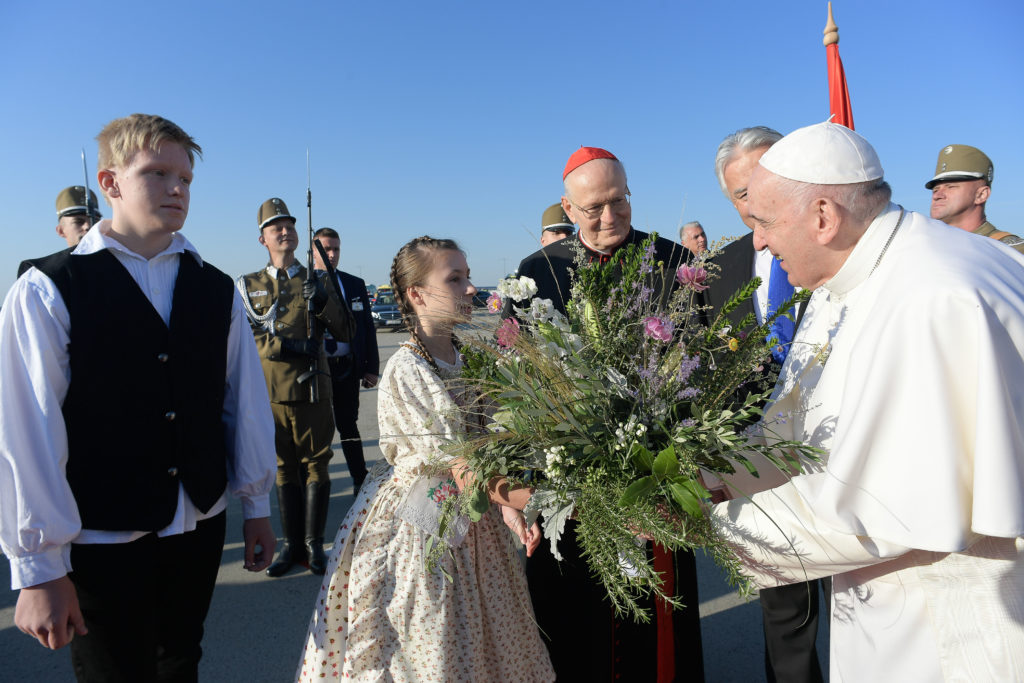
(289, 499)
(317, 498)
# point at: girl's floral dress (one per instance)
(380, 616)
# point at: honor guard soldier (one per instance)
(555, 225)
(74, 215)
(960, 188)
(74, 218)
(278, 300)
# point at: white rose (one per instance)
(528, 285)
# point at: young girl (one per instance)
(380, 615)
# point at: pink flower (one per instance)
(508, 332)
(693, 277)
(659, 328)
(494, 302)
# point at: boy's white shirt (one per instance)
(38, 515)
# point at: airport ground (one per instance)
(256, 626)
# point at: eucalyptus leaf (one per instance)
(477, 504)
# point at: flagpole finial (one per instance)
(831, 30)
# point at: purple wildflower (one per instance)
(688, 392)
(686, 367)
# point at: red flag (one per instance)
(838, 93)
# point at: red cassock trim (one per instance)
(664, 565)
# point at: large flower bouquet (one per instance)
(612, 411)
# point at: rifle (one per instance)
(311, 331)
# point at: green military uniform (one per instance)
(303, 430)
(986, 229)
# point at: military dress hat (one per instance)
(271, 210)
(71, 202)
(961, 162)
(555, 220)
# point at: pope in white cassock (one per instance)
(908, 371)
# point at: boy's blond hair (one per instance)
(122, 138)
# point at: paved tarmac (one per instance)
(256, 626)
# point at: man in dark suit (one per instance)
(352, 364)
(790, 613)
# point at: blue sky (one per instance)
(455, 118)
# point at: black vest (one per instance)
(144, 408)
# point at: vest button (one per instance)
(281, 309)
(172, 471)
(170, 415)
(162, 357)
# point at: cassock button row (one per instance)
(173, 471)
(162, 357)
(170, 415)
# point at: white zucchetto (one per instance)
(824, 154)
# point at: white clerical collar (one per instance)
(292, 270)
(590, 246)
(865, 254)
(98, 238)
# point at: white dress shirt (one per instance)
(344, 348)
(763, 270)
(38, 515)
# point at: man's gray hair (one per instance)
(684, 226)
(863, 201)
(743, 140)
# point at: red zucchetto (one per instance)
(583, 155)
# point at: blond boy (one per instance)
(131, 399)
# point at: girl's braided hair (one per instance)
(410, 268)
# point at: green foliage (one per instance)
(612, 426)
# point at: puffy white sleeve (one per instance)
(249, 424)
(416, 413)
(38, 514)
(928, 448)
(780, 540)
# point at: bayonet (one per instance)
(88, 193)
